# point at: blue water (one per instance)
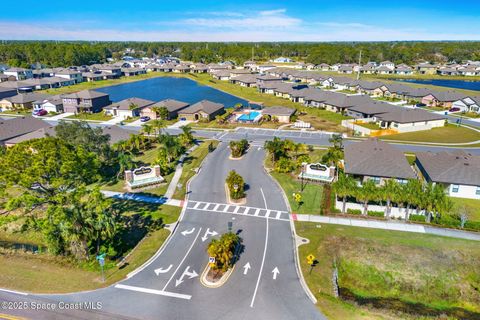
(459, 84)
(157, 89)
(249, 117)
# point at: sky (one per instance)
(140, 20)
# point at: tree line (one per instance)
(68, 53)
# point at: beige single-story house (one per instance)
(283, 114)
(203, 110)
(127, 108)
(173, 107)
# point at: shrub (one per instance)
(285, 165)
(354, 211)
(238, 148)
(417, 217)
(376, 213)
(236, 185)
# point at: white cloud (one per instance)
(272, 12)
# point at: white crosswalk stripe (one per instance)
(238, 210)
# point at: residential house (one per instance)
(4, 78)
(469, 71)
(245, 80)
(323, 67)
(282, 60)
(127, 108)
(443, 99)
(264, 67)
(94, 76)
(376, 160)
(403, 69)
(21, 101)
(426, 68)
(468, 104)
(388, 64)
(52, 104)
(19, 126)
(19, 73)
(458, 172)
(384, 70)
(110, 71)
(409, 120)
(173, 107)
(282, 114)
(7, 92)
(75, 76)
(85, 101)
(203, 110)
(369, 109)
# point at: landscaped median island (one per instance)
(384, 274)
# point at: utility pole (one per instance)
(359, 64)
(253, 50)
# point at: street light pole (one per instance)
(303, 173)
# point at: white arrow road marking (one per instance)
(161, 270)
(184, 257)
(246, 267)
(275, 272)
(187, 273)
(207, 233)
(185, 232)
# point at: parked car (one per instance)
(40, 112)
(454, 109)
(144, 119)
(420, 105)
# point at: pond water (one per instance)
(182, 89)
(459, 84)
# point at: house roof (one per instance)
(456, 167)
(278, 111)
(27, 97)
(19, 126)
(403, 115)
(206, 106)
(171, 104)
(343, 101)
(117, 133)
(448, 96)
(85, 94)
(374, 157)
(373, 107)
(127, 103)
(37, 134)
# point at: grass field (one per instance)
(312, 195)
(369, 125)
(48, 274)
(387, 272)
(448, 134)
(99, 116)
(472, 205)
(193, 161)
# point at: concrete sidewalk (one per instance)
(178, 173)
(142, 198)
(389, 225)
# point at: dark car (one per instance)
(420, 105)
(144, 118)
(40, 112)
(454, 109)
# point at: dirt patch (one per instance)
(214, 275)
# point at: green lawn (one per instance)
(49, 274)
(369, 125)
(472, 205)
(192, 162)
(17, 112)
(448, 134)
(99, 116)
(389, 271)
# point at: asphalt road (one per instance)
(169, 287)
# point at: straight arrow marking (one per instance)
(185, 232)
(246, 267)
(275, 272)
(160, 270)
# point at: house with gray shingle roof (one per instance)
(458, 172)
(173, 107)
(16, 127)
(203, 110)
(85, 101)
(376, 160)
(283, 114)
(127, 108)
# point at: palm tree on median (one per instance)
(344, 187)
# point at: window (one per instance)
(402, 181)
(455, 188)
(477, 192)
(375, 179)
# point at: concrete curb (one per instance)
(296, 256)
(213, 285)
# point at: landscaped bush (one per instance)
(285, 165)
(354, 211)
(236, 185)
(417, 217)
(376, 213)
(238, 148)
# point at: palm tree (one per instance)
(411, 191)
(276, 148)
(388, 192)
(147, 129)
(367, 192)
(171, 145)
(157, 125)
(186, 136)
(223, 250)
(125, 162)
(336, 140)
(344, 187)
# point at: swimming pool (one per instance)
(249, 116)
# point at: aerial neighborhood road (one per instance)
(265, 283)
